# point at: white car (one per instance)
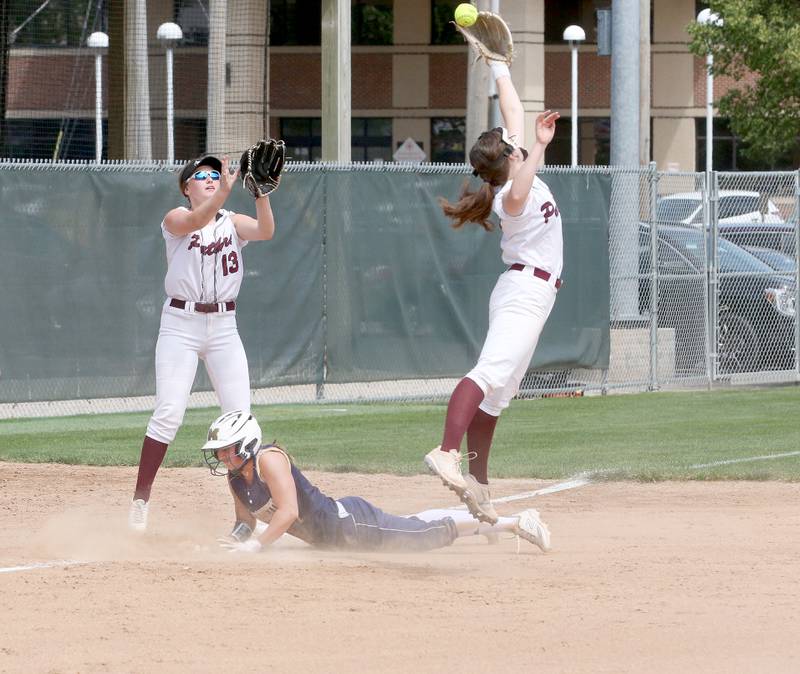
(734, 206)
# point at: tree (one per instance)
(760, 37)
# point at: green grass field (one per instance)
(651, 436)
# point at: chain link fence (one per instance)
(702, 279)
(703, 294)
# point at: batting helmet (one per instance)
(237, 430)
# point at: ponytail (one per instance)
(471, 207)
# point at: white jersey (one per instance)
(205, 265)
(534, 236)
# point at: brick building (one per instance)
(408, 79)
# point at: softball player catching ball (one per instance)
(522, 298)
(266, 486)
(204, 271)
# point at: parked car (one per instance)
(775, 236)
(756, 306)
(734, 206)
(780, 262)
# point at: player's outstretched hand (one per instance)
(546, 126)
(228, 179)
(232, 545)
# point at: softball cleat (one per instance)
(137, 516)
(478, 500)
(447, 465)
(531, 528)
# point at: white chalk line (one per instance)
(42, 565)
(582, 479)
(573, 483)
(765, 457)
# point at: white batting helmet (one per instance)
(238, 430)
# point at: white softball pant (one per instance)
(518, 309)
(183, 338)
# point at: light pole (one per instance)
(98, 42)
(708, 18)
(168, 34)
(574, 35)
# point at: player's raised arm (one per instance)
(510, 106)
(515, 198)
(261, 166)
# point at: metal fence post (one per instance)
(710, 208)
(320, 389)
(796, 273)
(653, 177)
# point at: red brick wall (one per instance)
(372, 81)
(594, 80)
(722, 84)
(190, 79)
(447, 84)
(295, 80)
(46, 83)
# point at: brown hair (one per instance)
(489, 159)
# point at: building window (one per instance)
(192, 17)
(298, 22)
(442, 31)
(559, 14)
(371, 139)
(727, 148)
(594, 142)
(60, 23)
(303, 138)
(295, 22)
(52, 138)
(448, 139)
(190, 137)
(372, 22)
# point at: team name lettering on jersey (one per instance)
(549, 209)
(211, 248)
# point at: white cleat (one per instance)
(447, 465)
(478, 500)
(532, 529)
(137, 516)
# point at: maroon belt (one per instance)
(204, 307)
(537, 272)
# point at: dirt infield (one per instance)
(666, 577)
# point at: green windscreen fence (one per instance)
(363, 281)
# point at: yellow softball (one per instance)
(466, 14)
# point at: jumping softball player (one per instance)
(522, 299)
(204, 246)
(266, 486)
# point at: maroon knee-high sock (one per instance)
(463, 403)
(479, 440)
(153, 453)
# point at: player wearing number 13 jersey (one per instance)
(204, 245)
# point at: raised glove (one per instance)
(261, 165)
(490, 37)
(232, 545)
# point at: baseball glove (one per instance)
(490, 37)
(261, 166)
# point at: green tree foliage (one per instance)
(762, 37)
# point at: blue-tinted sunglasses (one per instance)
(202, 175)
